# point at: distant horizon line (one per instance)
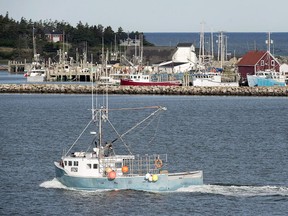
(216, 32)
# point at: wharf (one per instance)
(146, 90)
(16, 67)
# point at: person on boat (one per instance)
(108, 149)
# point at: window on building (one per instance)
(272, 63)
(262, 63)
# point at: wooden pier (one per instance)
(17, 67)
(83, 76)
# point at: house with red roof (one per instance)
(254, 61)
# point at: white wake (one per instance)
(225, 190)
(244, 191)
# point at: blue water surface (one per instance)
(239, 142)
(238, 43)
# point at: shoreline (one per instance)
(144, 90)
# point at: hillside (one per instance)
(16, 38)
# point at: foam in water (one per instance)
(245, 191)
(54, 183)
(226, 190)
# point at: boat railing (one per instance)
(142, 165)
(137, 165)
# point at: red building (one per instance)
(256, 61)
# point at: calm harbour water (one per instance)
(239, 142)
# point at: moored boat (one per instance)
(266, 78)
(145, 80)
(211, 79)
(37, 72)
(36, 75)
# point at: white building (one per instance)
(183, 60)
(284, 70)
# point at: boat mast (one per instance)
(34, 43)
(201, 52)
(269, 42)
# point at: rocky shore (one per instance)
(154, 90)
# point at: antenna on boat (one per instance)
(106, 71)
(269, 42)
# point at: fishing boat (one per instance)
(211, 79)
(145, 80)
(100, 167)
(266, 78)
(112, 79)
(37, 72)
(208, 75)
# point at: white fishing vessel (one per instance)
(208, 76)
(101, 167)
(211, 79)
(112, 79)
(36, 73)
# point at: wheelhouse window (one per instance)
(65, 162)
(95, 166)
(75, 163)
(74, 169)
(69, 163)
(88, 166)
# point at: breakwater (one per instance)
(155, 90)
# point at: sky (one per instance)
(158, 15)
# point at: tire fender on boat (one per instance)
(158, 163)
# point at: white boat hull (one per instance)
(36, 78)
(210, 80)
(209, 83)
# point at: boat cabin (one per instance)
(140, 77)
(96, 163)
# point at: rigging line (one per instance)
(119, 136)
(142, 129)
(150, 122)
(139, 123)
(137, 108)
(155, 132)
(93, 142)
(78, 137)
